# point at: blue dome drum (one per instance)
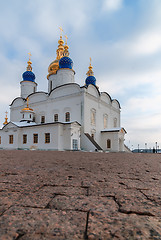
(65, 62)
(28, 76)
(90, 80)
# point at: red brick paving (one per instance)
(47, 195)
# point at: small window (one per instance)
(24, 138)
(92, 135)
(34, 89)
(56, 117)
(30, 115)
(23, 116)
(108, 143)
(67, 116)
(42, 119)
(47, 137)
(115, 122)
(50, 85)
(34, 119)
(105, 117)
(93, 116)
(10, 139)
(0, 139)
(75, 144)
(35, 138)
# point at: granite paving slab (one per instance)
(79, 195)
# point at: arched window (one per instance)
(42, 119)
(67, 116)
(50, 85)
(108, 143)
(10, 139)
(105, 119)
(56, 117)
(47, 137)
(34, 89)
(24, 138)
(93, 116)
(115, 122)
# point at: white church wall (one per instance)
(86, 144)
(121, 140)
(65, 90)
(105, 98)
(49, 106)
(5, 138)
(15, 114)
(17, 102)
(67, 137)
(96, 103)
(40, 130)
(93, 91)
(90, 103)
(61, 136)
(113, 137)
(38, 97)
(115, 104)
(115, 114)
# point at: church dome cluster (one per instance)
(62, 59)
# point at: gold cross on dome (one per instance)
(27, 99)
(66, 38)
(90, 61)
(61, 31)
(29, 56)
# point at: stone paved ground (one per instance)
(55, 195)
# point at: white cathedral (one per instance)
(67, 117)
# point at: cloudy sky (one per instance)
(123, 38)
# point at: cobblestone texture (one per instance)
(78, 195)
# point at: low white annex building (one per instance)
(67, 117)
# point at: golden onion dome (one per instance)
(53, 68)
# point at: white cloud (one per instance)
(49, 15)
(143, 129)
(145, 44)
(112, 5)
